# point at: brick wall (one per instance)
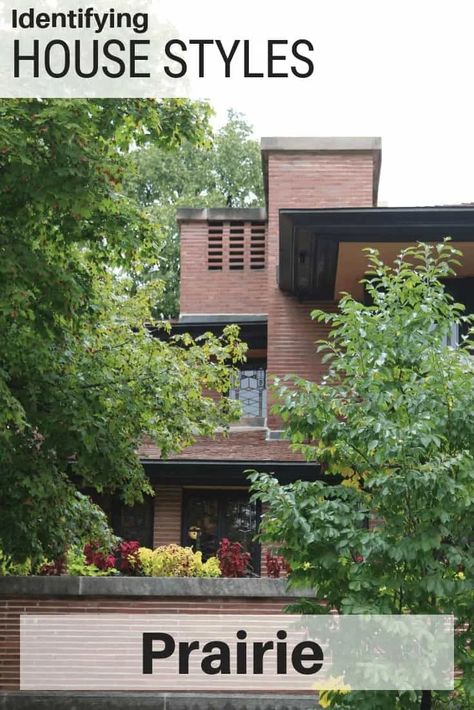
(11, 606)
(314, 179)
(305, 180)
(225, 290)
(167, 515)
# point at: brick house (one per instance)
(266, 269)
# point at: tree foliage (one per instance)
(392, 425)
(81, 376)
(224, 172)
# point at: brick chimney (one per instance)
(312, 173)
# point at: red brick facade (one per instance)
(12, 606)
(220, 290)
(306, 173)
(229, 267)
(167, 515)
(305, 180)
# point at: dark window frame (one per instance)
(253, 364)
(221, 495)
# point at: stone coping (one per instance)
(321, 143)
(155, 701)
(36, 586)
(221, 214)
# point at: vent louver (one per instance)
(257, 245)
(215, 246)
(235, 245)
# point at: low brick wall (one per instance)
(53, 595)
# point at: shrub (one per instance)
(123, 557)
(96, 556)
(127, 558)
(234, 561)
(9, 567)
(78, 566)
(176, 561)
(210, 568)
(54, 568)
(276, 565)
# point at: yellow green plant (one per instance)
(9, 567)
(177, 561)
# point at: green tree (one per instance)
(224, 172)
(82, 378)
(391, 425)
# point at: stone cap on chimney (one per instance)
(323, 144)
(221, 214)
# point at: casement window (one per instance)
(217, 515)
(250, 389)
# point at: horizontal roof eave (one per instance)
(399, 221)
(435, 209)
(221, 214)
(228, 462)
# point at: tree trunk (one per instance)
(425, 700)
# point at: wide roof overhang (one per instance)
(224, 473)
(321, 249)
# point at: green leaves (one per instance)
(394, 418)
(223, 171)
(82, 378)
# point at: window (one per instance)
(250, 389)
(219, 514)
(130, 522)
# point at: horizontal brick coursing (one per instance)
(167, 515)
(296, 179)
(12, 607)
(313, 181)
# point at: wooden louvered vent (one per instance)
(215, 235)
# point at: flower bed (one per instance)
(128, 558)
